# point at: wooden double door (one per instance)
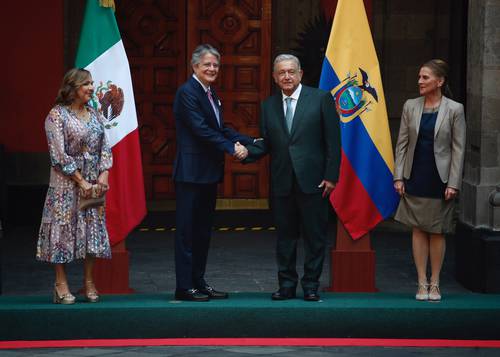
(159, 37)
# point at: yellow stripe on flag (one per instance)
(350, 47)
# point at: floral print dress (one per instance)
(67, 233)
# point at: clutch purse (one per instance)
(93, 201)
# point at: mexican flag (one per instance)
(101, 52)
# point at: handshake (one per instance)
(240, 151)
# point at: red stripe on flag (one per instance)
(351, 201)
(125, 201)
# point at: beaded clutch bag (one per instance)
(95, 200)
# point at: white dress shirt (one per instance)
(295, 97)
(206, 89)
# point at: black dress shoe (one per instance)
(190, 295)
(212, 293)
(284, 294)
(311, 295)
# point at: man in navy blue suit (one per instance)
(202, 140)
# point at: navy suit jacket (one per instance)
(201, 141)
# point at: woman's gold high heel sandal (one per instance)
(434, 292)
(91, 295)
(65, 299)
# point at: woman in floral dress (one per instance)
(80, 159)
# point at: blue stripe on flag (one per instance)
(329, 78)
(369, 166)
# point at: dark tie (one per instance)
(211, 99)
(289, 114)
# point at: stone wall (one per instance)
(482, 166)
(407, 34)
(289, 19)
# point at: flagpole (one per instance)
(352, 263)
(112, 276)
(352, 267)
(102, 52)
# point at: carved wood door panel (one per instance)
(241, 31)
(159, 37)
(153, 33)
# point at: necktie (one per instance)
(289, 114)
(210, 98)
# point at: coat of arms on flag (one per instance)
(351, 96)
(108, 100)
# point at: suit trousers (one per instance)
(294, 214)
(195, 208)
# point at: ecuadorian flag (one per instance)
(364, 195)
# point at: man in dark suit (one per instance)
(202, 140)
(300, 130)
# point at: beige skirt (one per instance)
(432, 215)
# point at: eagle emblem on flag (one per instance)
(350, 97)
(109, 100)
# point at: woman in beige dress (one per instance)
(80, 159)
(428, 171)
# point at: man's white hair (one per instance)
(286, 57)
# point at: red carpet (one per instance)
(306, 342)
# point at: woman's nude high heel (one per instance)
(434, 292)
(422, 292)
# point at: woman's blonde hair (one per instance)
(72, 80)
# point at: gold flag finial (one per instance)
(107, 3)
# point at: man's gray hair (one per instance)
(286, 57)
(201, 51)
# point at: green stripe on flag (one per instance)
(99, 32)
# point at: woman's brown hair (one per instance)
(440, 69)
(72, 80)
